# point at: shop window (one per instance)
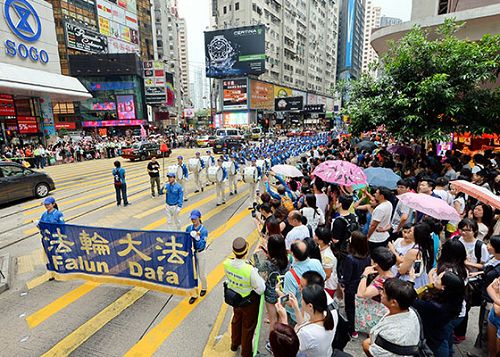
(237, 6)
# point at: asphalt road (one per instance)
(54, 318)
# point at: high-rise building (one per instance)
(389, 21)
(199, 88)
(184, 61)
(351, 39)
(301, 38)
(372, 21)
(167, 48)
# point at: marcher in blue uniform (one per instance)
(185, 174)
(173, 199)
(200, 236)
(52, 213)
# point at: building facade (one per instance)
(389, 21)
(301, 38)
(479, 17)
(184, 62)
(372, 21)
(199, 88)
(351, 39)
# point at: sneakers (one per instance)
(196, 191)
(354, 335)
(192, 300)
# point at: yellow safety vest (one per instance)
(238, 279)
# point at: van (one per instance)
(256, 133)
(232, 133)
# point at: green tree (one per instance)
(431, 86)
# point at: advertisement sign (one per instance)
(235, 119)
(169, 79)
(351, 8)
(27, 125)
(47, 119)
(85, 40)
(154, 82)
(103, 106)
(288, 104)
(103, 123)
(7, 107)
(261, 95)
(282, 92)
(125, 105)
(235, 52)
(157, 260)
(235, 93)
(111, 86)
(118, 46)
(129, 5)
(189, 113)
(299, 93)
(314, 108)
(67, 125)
(119, 24)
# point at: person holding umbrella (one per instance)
(200, 235)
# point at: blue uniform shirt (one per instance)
(53, 217)
(185, 172)
(201, 243)
(174, 194)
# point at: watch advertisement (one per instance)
(235, 52)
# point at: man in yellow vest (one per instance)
(241, 290)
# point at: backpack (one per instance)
(352, 223)
(117, 178)
(287, 202)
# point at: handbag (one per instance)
(368, 313)
(234, 299)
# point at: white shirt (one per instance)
(382, 214)
(322, 202)
(313, 218)
(329, 261)
(470, 249)
(315, 341)
(445, 196)
(402, 329)
(297, 233)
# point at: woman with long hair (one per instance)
(419, 255)
(312, 213)
(437, 306)
(323, 237)
(483, 215)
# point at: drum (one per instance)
(250, 175)
(261, 164)
(215, 174)
(205, 160)
(175, 169)
(268, 164)
(231, 169)
(194, 165)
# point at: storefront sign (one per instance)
(314, 108)
(281, 92)
(27, 125)
(85, 40)
(66, 126)
(288, 104)
(103, 123)
(235, 93)
(7, 107)
(261, 95)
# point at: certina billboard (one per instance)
(28, 35)
(235, 52)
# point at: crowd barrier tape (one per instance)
(155, 260)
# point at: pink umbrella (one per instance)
(481, 193)
(431, 206)
(340, 172)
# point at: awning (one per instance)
(24, 81)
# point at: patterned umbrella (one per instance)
(340, 172)
(478, 192)
(431, 206)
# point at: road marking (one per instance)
(211, 349)
(57, 305)
(39, 280)
(153, 340)
(89, 328)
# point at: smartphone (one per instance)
(284, 299)
(254, 214)
(417, 266)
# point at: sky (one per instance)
(197, 21)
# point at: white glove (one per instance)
(178, 209)
(195, 235)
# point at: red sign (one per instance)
(7, 107)
(104, 123)
(27, 125)
(67, 125)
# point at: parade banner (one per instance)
(155, 260)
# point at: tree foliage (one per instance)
(430, 87)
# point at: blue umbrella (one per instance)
(381, 176)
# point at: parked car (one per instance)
(233, 133)
(211, 140)
(203, 141)
(17, 182)
(226, 143)
(293, 132)
(257, 133)
(143, 151)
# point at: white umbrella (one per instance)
(287, 170)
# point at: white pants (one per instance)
(206, 173)
(197, 181)
(220, 188)
(201, 268)
(233, 183)
(253, 193)
(173, 217)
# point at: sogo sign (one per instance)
(25, 23)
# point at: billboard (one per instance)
(235, 119)
(125, 106)
(281, 92)
(7, 107)
(235, 93)
(288, 104)
(85, 40)
(169, 78)
(235, 52)
(261, 95)
(120, 24)
(154, 82)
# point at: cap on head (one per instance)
(197, 153)
(171, 174)
(209, 152)
(49, 200)
(240, 247)
(179, 157)
(195, 214)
